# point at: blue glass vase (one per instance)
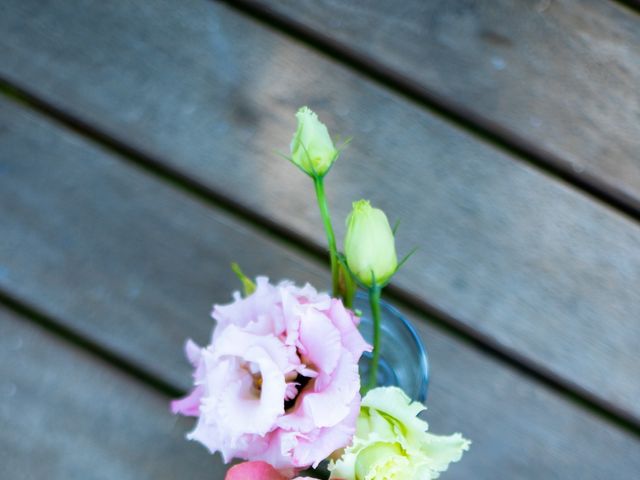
(403, 356)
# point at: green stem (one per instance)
(331, 238)
(374, 301)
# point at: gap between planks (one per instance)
(28, 312)
(300, 244)
(631, 4)
(481, 127)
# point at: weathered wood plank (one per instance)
(134, 264)
(564, 75)
(505, 249)
(66, 414)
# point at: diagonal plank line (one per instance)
(482, 127)
(304, 246)
(29, 312)
(631, 4)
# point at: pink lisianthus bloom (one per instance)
(279, 382)
(257, 471)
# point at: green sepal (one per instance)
(406, 257)
(248, 285)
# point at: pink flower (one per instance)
(279, 382)
(256, 471)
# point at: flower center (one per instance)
(302, 382)
(256, 377)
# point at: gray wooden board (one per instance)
(65, 414)
(563, 74)
(133, 264)
(504, 248)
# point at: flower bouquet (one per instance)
(279, 386)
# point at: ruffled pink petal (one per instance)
(276, 449)
(326, 401)
(347, 323)
(292, 313)
(333, 395)
(247, 412)
(258, 313)
(250, 447)
(239, 407)
(320, 341)
(215, 428)
(310, 296)
(192, 351)
(234, 341)
(189, 405)
(314, 447)
(207, 430)
(292, 390)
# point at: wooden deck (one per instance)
(137, 161)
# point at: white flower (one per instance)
(392, 443)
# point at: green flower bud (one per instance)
(369, 245)
(392, 443)
(311, 147)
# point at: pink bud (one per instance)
(253, 471)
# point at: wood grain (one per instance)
(66, 414)
(563, 75)
(505, 249)
(134, 264)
